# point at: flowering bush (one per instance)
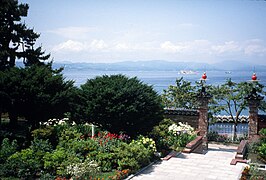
(181, 128)
(120, 175)
(56, 122)
(86, 168)
(180, 135)
(61, 150)
(132, 156)
(107, 141)
(252, 172)
(148, 143)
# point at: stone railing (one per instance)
(240, 153)
(194, 146)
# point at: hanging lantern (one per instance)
(204, 76)
(254, 77)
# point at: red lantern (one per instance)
(254, 77)
(204, 76)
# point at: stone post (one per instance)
(253, 103)
(203, 99)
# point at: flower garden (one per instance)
(60, 149)
(257, 156)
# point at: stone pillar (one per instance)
(253, 103)
(203, 99)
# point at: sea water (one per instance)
(161, 80)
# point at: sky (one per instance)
(104, 31)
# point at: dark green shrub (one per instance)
(160, 134)
(40, 147)
(82, 147)
(25, 164)
(118, 103)
(46, 176)
(133, 156)
(107, 161)
(128, 163)
(43, 132)
(28, 163)
(67, 136)
(56, 162)
(46, 133)
(262, 150)
(161, 130)
(7, 149)
(262, 134)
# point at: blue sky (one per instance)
(135, 30)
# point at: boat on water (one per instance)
(228, 72)
(187, 72)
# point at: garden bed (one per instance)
(256, 155)
(62, 150)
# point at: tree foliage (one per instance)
(16, 39)
(36, 92)
(228, 98)
(181, 95)
(119, 104)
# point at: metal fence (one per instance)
(228, 128)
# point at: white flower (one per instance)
(181, 128)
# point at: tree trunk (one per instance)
(1, 116)
(235, 130)
(13, 118)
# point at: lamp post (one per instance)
(92, 130)
(203, 99)
(253, 103)
(254, 77)
(204, 76)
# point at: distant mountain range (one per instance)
(157, 65)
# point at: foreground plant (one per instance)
(180, 135)
(148, 143)
(83, 169)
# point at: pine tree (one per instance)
(16, 39)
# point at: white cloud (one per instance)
(226, 49)
(73, 32)
(230, 46)
(98, 44)
(69, 45)
(197, 50)
(254, 46)
(255, 49)
(78, 46)
(199, 46)
(121, 47)
(170, 47)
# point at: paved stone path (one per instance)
(215, 164)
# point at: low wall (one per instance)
(188, 116)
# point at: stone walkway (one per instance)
(215, 164)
